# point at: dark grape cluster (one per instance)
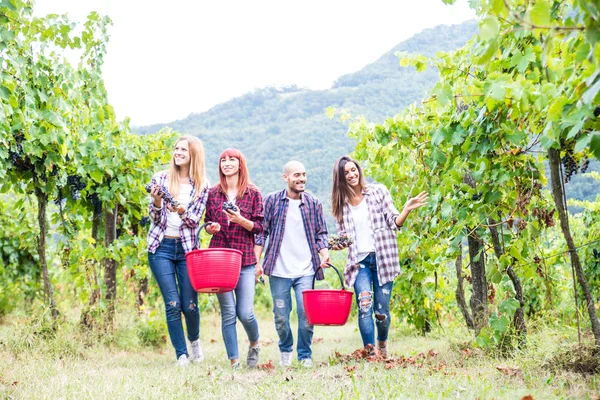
(96, 202)
(342, 241)
(229, 206)
(570, 166)
(163, 192)
(585, 164)
(20, 163)
(60, 201)
(596, 254)
(144, 221)
(476, 196)
(75, 185)
(596, 112)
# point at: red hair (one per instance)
(243, 175)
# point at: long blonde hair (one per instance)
(197, 172)
(341, 191)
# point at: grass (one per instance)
(35, 363)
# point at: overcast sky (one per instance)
(169, 59)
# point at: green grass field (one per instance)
(68, 365)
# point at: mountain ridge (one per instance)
(273, 125)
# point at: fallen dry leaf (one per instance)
(213, 340)
(267, 342)
(510, 371)
(268, 366)
(318, 340)
(528, 397)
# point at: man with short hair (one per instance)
(295, 227)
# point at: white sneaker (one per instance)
(197, 355)
(285, 359)
(183, 361)
(306, 363)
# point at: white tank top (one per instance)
(173, 219)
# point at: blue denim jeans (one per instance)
(372, 299)
(170, 271)
(239, 303)
(282, 307)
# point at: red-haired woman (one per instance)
(236, 228)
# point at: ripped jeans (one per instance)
(282, 307)
(170, 271)
(372, 299)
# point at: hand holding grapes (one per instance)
(154, 192)
(234, 215)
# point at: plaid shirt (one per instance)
(237, 237)
(276, 206)
(190, 218)
(383, 215)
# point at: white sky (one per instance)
(168, 59)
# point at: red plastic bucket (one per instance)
(214, 270)
(327, 306)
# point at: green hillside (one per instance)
(274, 125)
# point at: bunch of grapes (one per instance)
(16, 158)
(596, 254)
(96, 202)
(60, 201)
(229, 206)
(570, 166)
(337, 241)
(75, 185)
(163, 192)
(584, 165)
(145, 221)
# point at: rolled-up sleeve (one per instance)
(260, 238)
(321, 228)
(257, 216)
(390, 211)
(155, 213)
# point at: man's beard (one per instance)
(293, 189)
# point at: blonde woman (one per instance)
(172, 234)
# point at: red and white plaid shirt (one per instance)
(383, 215)
(234, 235)
(190, 218)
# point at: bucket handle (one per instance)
(336, 270)
(203, 226)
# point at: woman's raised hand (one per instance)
(418, 201)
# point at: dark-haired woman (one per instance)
(367, 214)
(236, 228)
